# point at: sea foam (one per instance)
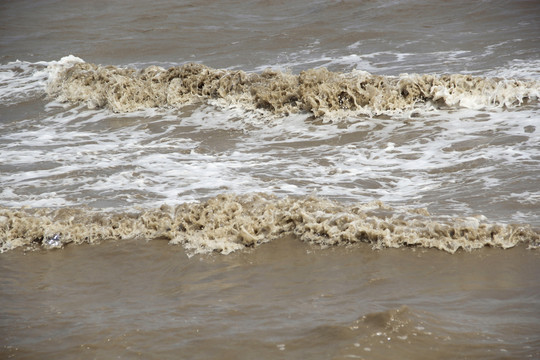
(317, 91)
(228, 223)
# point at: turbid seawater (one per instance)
(256, 179)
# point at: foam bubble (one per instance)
(318, 91)
(23, 80)
(228, 223)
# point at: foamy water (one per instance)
(420, 154)
(266, 180)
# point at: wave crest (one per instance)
(318, 91)
(227, 223)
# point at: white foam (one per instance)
(518, 69)
(132, 163)
(76, 156)
(23, 80)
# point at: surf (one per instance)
(229, 223)
(317, 91)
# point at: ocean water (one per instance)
(267, 179)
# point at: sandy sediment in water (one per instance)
(228, 223)
(317, 91)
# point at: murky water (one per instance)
(286, 299)
(256, 204)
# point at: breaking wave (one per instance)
(228, 223)
(317, 91)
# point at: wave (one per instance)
(317, 91)
(228, 223)
(23, 81)
(403, 330)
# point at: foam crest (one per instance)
(228, 223)
(318, 91)
(22, 80)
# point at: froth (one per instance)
(318, 91)
(227, 223)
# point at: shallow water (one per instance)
(285, 299)
(385, 207)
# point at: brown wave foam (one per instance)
(228, 223)
(317, 91)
